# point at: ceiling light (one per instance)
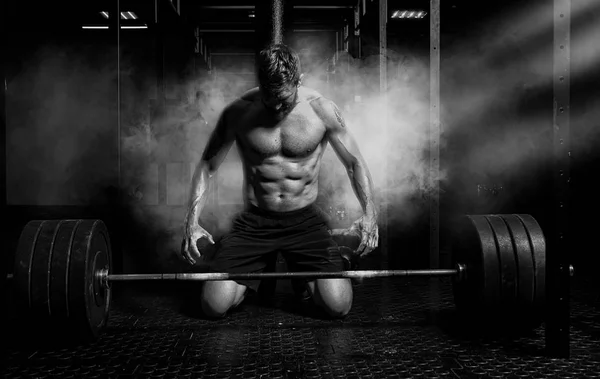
(124, 15)
(251, 15)
(122, 27)
(128, 16)
(409, 14)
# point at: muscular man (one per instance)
(281, 130)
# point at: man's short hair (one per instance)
(278, 66)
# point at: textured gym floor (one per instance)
(397, 328)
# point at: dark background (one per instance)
(88, 182)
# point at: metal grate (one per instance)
(396, 329)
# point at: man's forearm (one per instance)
(363, 187)
(198, 193)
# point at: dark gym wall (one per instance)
(3, 78)
(499, 153)
(61, 135)
(496, 98)
(62, 110)
(4, 235)
(585, 138)
(408, 77)
(64, 103)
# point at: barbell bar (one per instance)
(62, 271)
(105, 277)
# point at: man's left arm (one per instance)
(346, 148)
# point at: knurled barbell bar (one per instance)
(63, 270)
(104, 277)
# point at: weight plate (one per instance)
(524, 259)
(4, 285)
(89, 304)
(467, 293)
(24, 263)
(507, 264)
(59, 290)
(41, 269)
(490, 264)
(538, 248)
(475, 246)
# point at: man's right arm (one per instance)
(216, 150)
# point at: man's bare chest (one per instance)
(298, 135)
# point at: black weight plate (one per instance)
(507, 264)
(524, 258)
(90, 251)
(464, 241)
(59, 288)
(538, 248)
(474, 245)
(40, 270)
(4, 285)
(23, 265)
(490, 264)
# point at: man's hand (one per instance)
(369, 234)
(344, 145)
(192, 233)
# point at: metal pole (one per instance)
(7, 52)
(558, 323)
(356, 51)
(119, 150)
(383, 219)
(269, 23)
(281, 275)
(434, 134)
(277, 27)
(160, 56)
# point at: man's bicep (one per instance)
(340, 138)
(219, 143)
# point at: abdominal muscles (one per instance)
(282, 184)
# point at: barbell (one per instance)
(105, 278)
(62, 271)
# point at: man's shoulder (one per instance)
(320, 104)
(250, 96)
(304, 93)
(241, 103)
(309, 94)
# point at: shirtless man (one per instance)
(281, 130)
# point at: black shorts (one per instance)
(301, 236)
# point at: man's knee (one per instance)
(334, 296)
(339, 308)
(220, 296)
(214, 308)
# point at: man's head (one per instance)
(279, 76)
